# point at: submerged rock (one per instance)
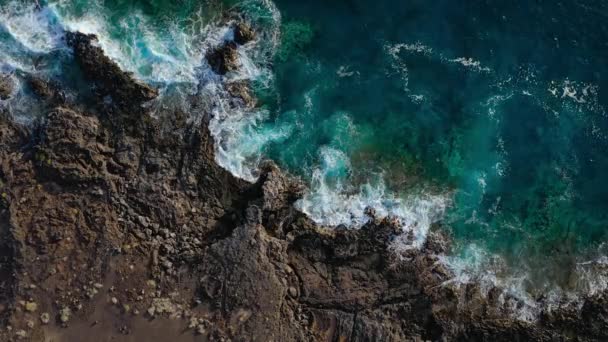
(242, 91)
(46, 90)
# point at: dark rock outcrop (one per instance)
(125, 236)
(126, 91)
(243, 33)
(47, 91)
(224, 58)
(241, 91)
(6, 87)
(73, 148)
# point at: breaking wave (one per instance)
(170, 54)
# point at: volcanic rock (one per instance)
(242, 90)
(243, 33)
(106, 74)
(224, 58)
(86, 202)
(46, 90)
(6, 87)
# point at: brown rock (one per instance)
(242, 91)
(6, 87)
(126, 91)
(73, 149)
(232, 260)
(46, 90)
(243, 33)
(223, 59)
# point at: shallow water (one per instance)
(489, 119)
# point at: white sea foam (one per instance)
(399, 52)
(27, 36)
(156, 55)
(332, 202)
(237, 130)
(345, 71)
(416, 47)
(477, 266)
(177, 56)
(32, 29)
(470, 63)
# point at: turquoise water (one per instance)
(488, 119)
(499, 106)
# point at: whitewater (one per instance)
(170, 55)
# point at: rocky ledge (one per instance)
(115, 230)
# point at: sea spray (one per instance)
(504, 147)
(332, 201)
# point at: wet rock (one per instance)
(111, 80)
(224, 58)
(279, 190)
(6, 87)
(243, 33)
(242, 91)
(46, 90)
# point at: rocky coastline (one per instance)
(116, 226)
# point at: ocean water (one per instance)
(484, 119)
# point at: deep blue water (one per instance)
(502, 103)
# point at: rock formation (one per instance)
(243, 33)
(136, 234)
(6, 87)
(224, 58)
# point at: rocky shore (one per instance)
(116, 226)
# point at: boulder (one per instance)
(224, 58)
(240, 90)
(243, 33)
(6, 87)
